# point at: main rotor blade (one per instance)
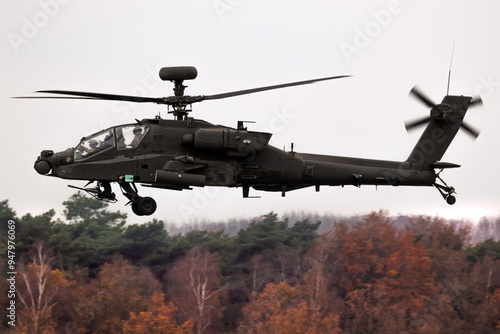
(171, 100)
(422, 97)
(470, 130)
(99, 96)
(260, 89)
(416, 123)
(55, 97)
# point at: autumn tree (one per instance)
(496, 304)
(316, 280)
(397, 298)
(384, 275)
(361, 252)
(279, 309)
(118, 290)
(159, 318)
(445, 243)
(194, 286)
(39, 291)
(473, 291)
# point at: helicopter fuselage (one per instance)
(178, 154)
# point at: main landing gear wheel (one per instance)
(141, 206)
(144, 206)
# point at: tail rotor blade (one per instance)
(422, 97)
(476, 101)
(470, 130)
(411, 125)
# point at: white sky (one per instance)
(389, 46)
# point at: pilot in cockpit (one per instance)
(137, 137)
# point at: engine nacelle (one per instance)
(230, 140)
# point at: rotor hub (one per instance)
(442, 111)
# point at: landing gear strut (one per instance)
(445, 190)
(141, 206)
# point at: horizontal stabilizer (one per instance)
(442, 165)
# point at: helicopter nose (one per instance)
(42, 164)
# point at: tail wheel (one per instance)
(451, 200)
(445, 190)
(144, 206)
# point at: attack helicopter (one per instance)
(185, 152)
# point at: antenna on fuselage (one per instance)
(449, 71)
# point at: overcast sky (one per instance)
(388, 46)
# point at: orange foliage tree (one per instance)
(453, 301)
(118, 290)
(385, 276)
(158, 319)
(279, 309)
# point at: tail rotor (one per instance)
(451, 109)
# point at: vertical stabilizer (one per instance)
(445, 120)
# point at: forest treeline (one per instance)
(93, 273)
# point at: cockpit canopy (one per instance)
(125, 137)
